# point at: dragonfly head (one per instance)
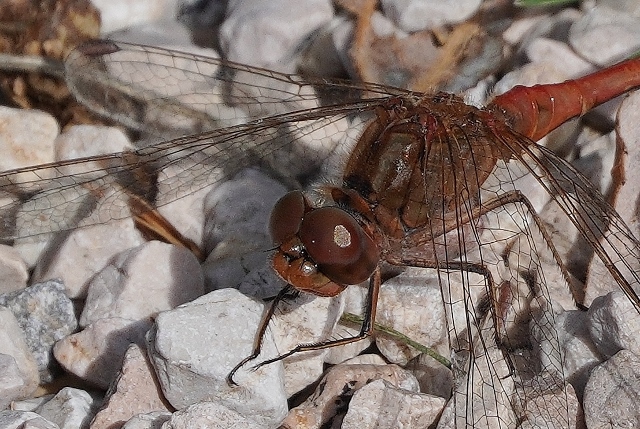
(320, 250)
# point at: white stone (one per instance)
(64, 204)
(337, 386)
(262, 282)
(26, 139)
(578, 349)
(327, 51)
(411, 303)
(135, 391)
(12, 382)
(554, 54)
(434, 377)
(629, 132)
(24, 420)
(530, 74)
(181, 197)
(415, 15)
(521, 27)
(236, 230)
(354, 299)
(194, 347)
(458, 290)
(45, 315)
(562, 353)
(69, 409)
(610, 398)
(95, 354)
(31, 247)
(242, 206)
(38, 424)
(13, 270)
(86, 251)
(559, 409)
(210, 415)
(379, 404)
(147, 421)
(141, 282)
(307, 319)
(605, 36)
(115, 15)
(631, 7)
(282, 25)
(478, 94)
(625, 202)
(366, 359)
(614, 324)
(544, 336)
(30, 404)
(598, 154)
(481, 396)
(12, 344)
(163, 33)
(82, 141)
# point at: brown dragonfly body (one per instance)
(413, 190)
(411, 196)
(415, 175)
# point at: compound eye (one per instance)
(338, 245)
(286, 217)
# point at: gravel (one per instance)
(150, 333)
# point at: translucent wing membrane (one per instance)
(464, 202)
(159, 91)
(498, 271)
(597, 222)
(167, 93)
(207, 158)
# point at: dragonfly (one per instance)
(411, 180)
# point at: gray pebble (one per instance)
(45, 314)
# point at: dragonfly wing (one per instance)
(51, 197)
(165, 93)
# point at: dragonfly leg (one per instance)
(257, 347)
(369, 316)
